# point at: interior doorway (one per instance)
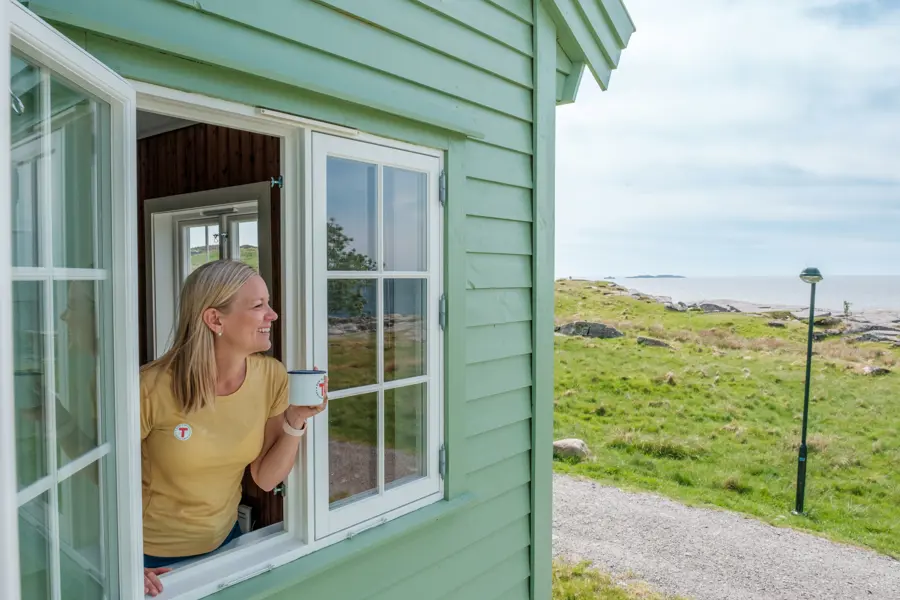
(206, 192)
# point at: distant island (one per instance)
(656, 277)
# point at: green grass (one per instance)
(716, 421)
(199, 256)
(580, 582)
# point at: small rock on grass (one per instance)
(646, 341)
(571, 448)
(777, 324)
(875, 371)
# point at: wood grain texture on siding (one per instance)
(491, 412)
(498, 271)
(493, 342)
(487, 19)
(497, 236)
(442, 578)
(498, 444)
(498, 376)
(422, 25)
(493, 581)
(491, 199)
(377, 573)
(499, 477)
(492, 306)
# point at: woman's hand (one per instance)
(152, 584)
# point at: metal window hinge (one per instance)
(279, 182)
(442, 461)
(442, 311)
(442, 187)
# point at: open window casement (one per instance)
(67, 282)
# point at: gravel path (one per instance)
(709, 554)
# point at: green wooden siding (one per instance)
(453, 75)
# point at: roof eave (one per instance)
(592, 33)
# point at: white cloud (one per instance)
(733, 112)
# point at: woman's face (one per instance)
(246, 327)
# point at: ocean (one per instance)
(862, 291)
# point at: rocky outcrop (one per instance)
(711, 307)
(589, 329)
(879, 336)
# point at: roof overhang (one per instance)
(592, 33)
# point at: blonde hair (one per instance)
(191, 359)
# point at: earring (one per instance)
(219, 333)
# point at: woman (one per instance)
(210, 406)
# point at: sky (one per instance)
(737, 137)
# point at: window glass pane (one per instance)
(34, 549)
(352, 215)
(405, 214)
(352, 335)
(75, 176)
(204, 245)
(77, 369)
(352, 448)
(29, 381)
(25, 146)
(81, 533)
(404, 434)
(248, 242)
(404, 328)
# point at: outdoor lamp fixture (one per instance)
(811, 276)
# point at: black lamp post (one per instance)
(811, 276)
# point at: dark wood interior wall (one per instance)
(207, 157)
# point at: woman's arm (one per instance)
(279, 451)
(280, 448)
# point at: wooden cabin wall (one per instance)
(205, 157)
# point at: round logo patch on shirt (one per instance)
(183, 432)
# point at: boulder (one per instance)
(777, 324)
(875, 371)
(646, 341)
(589, 329)
(675, 306)
(571, 448)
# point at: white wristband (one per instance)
(291, 430)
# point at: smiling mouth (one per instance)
(265, 330)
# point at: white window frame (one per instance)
(264, 550)
(258, 552)
(427, 489)
(25, 32)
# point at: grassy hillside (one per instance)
(716, 420)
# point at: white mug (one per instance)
(308, 388)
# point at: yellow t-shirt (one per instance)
(192, 466)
